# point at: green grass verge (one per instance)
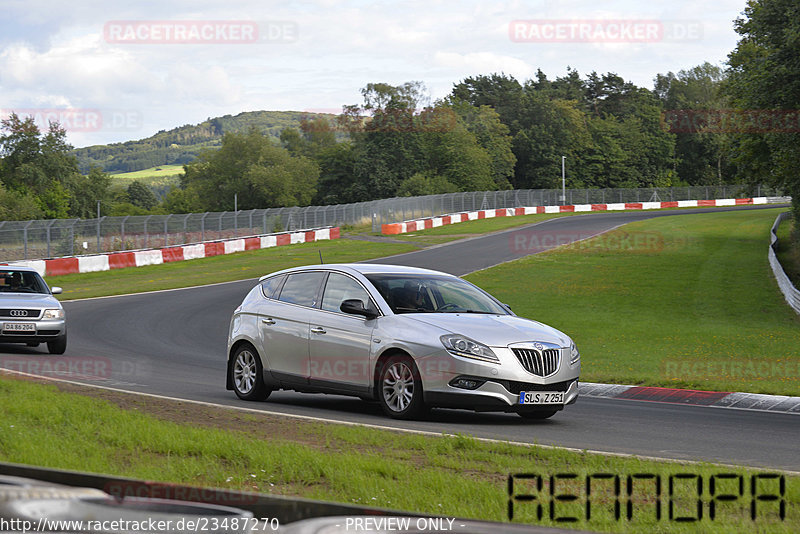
(451, 476)
(788, 250)
(694, 306)
(224, 268)
(253, 264)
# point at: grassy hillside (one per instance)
(160, 179)
(182, 145)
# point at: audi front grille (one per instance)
(18, 313)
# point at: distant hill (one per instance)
(182, 145)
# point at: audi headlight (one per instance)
(574, 355)
(468, 348)
(53, 314)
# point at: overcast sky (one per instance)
(128, 69)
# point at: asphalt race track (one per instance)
(172, 343)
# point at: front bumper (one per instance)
(495, 397)
(500, 384)
(46, 330)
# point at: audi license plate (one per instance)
(19, 328)
(541, 397)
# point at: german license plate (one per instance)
(541, 397)
(19, 328)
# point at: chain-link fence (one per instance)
(68, 237)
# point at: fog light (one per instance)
(466, 383)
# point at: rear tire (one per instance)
(538, 415)
(400, 388)
(247, 374)
(58, 345)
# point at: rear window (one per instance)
(302, 288)
(270, 286)
(21, 282)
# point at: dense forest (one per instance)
(491, 132)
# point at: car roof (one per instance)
(7, 267)
(362, 268)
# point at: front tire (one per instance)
(247, 375)
(58, 345)
(538, 415)
(400, 388)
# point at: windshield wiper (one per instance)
(470, 311)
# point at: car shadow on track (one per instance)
(339, 407)
(19, 349)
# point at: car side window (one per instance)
(271, 285)
(340, 288)
(301, 288)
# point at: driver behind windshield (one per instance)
(16, 281)
(21, 282)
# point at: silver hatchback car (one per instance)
(409, 338)
(29, 313)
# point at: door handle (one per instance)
(268, 320)
(318, 330)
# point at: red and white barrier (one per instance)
(139, 258)
(433, 222)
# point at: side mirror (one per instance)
(55, 290)
(356, 307)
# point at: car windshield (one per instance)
(21, 282)
(433, 294)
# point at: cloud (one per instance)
(484, 63)
(54, 55)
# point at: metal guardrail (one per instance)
(790, 293)
(274, 512)
(38, 239)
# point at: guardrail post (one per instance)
(146, 235)
(25, 239)
(72, 238)
(48, 236)
(123, 246)
(166, 230)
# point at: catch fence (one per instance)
(38, 239)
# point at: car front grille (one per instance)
(538, 362)
(18, 313)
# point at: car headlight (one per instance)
(574, 355)
(53, 314)
(468, 348)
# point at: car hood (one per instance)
(28, 300)
(493, 330)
